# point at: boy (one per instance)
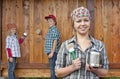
(52, 43)
(13, 48)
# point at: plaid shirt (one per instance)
(13, 44)
(64, 58)
(52, 34)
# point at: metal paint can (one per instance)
(94, 59)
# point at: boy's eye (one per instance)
(86, 20)
(78, 21)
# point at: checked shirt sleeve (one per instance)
(55, 34)
(21, 40)
(8, 46)
(61, 59)
(9, 52)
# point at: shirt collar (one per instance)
(74, 39)
(13, 35)
(52, 27)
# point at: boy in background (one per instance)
(13, 48)
(52, 43)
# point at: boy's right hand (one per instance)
(25, 34)
(50, 55)
(76, 64)
(11, 59)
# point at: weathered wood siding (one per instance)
(107, 29)
(29, 15)
(0, 34)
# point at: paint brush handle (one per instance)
(73, 55)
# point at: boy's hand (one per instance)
(50, 55)
(25, 34)
(76, 64)
(39, 31)
(11, 59)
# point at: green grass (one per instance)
(38, 78)
(111, 78)
(61, 78)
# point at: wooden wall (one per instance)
(29, 15)
(0, 34)
(107, 29)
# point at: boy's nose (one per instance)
(82, 23)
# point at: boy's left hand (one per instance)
(50, 55)
(24, 35)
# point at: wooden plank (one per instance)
(25, 47)
(115, 31)
(107, 26)
(90, 6)
(114, 66)
(81, 3)
(46, 73)
(113, 73)
(71, 7)
(98, 32)
(0, 36)
(38, 41)
(34, 73)
(19, 16)
(31, 31)
(5, 20)
(37, 65)
(45, 10)
(27, 65)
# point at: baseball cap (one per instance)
(50, 16)
(11, 25)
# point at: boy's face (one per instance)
(82, 25)
(51, 22)
(13, 30)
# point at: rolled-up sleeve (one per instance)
(61, 57)
(104, 58)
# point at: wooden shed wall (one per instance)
(0, 33)
(107, 29)
(29, 15)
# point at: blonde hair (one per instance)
(9, 31)
(9, 27)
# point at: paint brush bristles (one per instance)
(70, 48)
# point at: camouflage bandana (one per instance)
(80, 12)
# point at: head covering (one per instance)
(9, 26)
(50, 16)
(80, 12)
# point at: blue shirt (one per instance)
(52, 34)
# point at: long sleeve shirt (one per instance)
(12, 46)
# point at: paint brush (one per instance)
(70, 48)
(38, 31)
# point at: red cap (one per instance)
(50, 16)
(9, 26)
